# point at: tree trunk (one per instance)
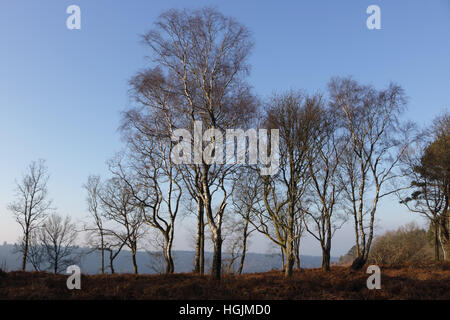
(102, 249)
(446, 234)
(202, 250)
(447, 251)
(214, 226)
(25, 252)
(200, 231)
(244, 247)
(170, 267)
(297, 260)
(444, 254)
(289, 258)
(111, 263)
(55, 264)
(135, 267)
(169, 262)
(326, 257)
(436, 241)
(297, 253)
(326, 249)
(217, 256)
(445, 244)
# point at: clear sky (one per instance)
(61, 91)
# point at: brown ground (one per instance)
(426, 282)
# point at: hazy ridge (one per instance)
(90, 262)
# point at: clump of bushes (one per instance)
(408, 244)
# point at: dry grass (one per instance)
(430, 281)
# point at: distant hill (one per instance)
(90, 262)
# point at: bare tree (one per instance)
(371, 125)
(113, 245)
(57, 236)
(299, 228)
(202, 63)
(324, 163)
(247, 198)
(118, 206)
(191, 180)
(232, 236)
(295, 115)
(99, 236)
(32, 204)
(36, 251)
(154, 180)
(96, 230)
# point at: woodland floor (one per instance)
(430, 281)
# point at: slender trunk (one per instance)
(214, 226)
(297, 253)
(444, 254)
(297, 260)
(326, 248)
(326, 258)
(446, 232)
(358, 248)
(169, 262)
(202, 250)
(198, 245)
(217, 256)
(368, 244)
(133, 256)
(436, 241)
(197, 252)
(445, 244)
(102, 249)
(25, 252)
(55, 265)
(244, 247)
(111, 262)
(241, 263)
(170, 268)
(290, 233)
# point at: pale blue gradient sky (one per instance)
(61, 91)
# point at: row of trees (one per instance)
(48, 239)
(340, 153)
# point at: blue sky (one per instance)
(61, 91)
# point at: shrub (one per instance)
(409, 244)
